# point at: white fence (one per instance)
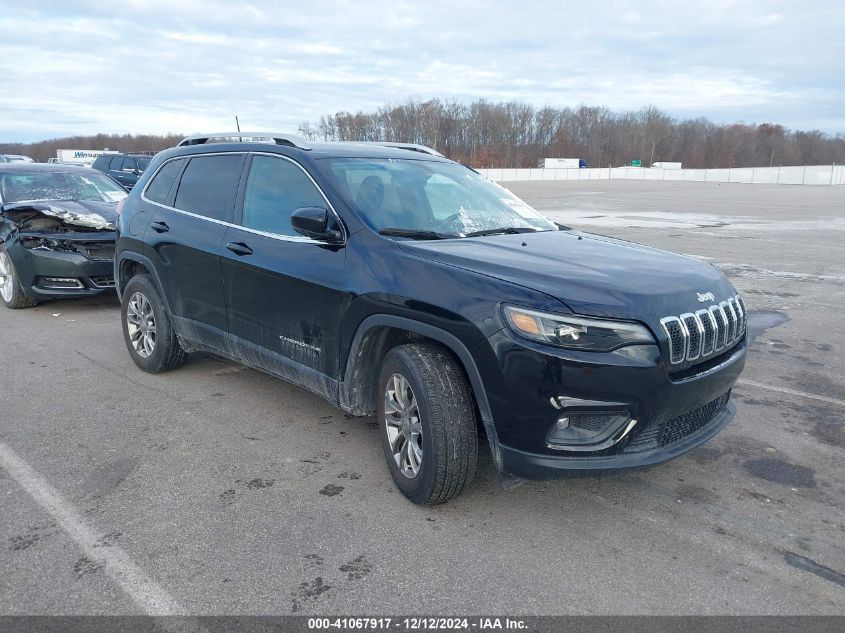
(802, 175)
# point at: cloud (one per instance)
(157, 66)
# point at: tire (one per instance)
(142, 307)
(11, 290)
(445, 421)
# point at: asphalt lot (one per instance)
(216, 489)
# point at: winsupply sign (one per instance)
(80, 156)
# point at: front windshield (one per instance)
(444, 198)
(59, 186)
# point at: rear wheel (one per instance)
(11, 290)
(147, 329)
(427, 421)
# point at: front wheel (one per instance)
(10, 286)
(147, 330)
(427, 422)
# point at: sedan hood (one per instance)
(87, 213)
(591, 274)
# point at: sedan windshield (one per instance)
(28, 187)
(429, 200)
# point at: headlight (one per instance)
(573, 332)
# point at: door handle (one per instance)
(239, 248)
(160, 227)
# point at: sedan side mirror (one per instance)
(316, 223)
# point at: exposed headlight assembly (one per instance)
(571, 332)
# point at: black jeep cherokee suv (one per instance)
(394, 282)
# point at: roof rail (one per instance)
(279, 138)
(413, 147)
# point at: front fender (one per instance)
(133, 256)
(450, 341)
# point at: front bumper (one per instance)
(530, 387)
(537, 466)
(35, 267)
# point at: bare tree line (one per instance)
(42, 150)
(516, 134)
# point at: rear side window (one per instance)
(129, 163)
(116, 163)
(276, 188)
(161, 183)
(209, 185)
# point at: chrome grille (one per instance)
(721, 326)
(709, 324)
(705, 332)
(677, 340)
(731, 315)
(695, 331)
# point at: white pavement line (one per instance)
(151, 598)
(792, 392)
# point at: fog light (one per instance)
(579, 427)
(60, 283)
(589, 430)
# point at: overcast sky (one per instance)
(188, 65)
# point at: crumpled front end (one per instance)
(59, 250)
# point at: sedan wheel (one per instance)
(141, 324)
(7, 280)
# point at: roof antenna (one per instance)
(238, 124)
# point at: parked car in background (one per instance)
(56, 161)
(15, 158)
(57, 232)
(124, 168)
(394, 282)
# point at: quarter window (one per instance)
(209, 185)
(275, 189)
(161, 183)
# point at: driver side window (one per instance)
(276, 188)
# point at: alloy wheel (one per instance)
(7, 279)
(403, 425)
(141, 324)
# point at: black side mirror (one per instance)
(316, 223)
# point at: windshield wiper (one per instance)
(503, 230)
(415, 234)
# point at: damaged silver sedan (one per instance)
(57, 232)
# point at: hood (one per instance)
(87, 213)
(593, 275)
